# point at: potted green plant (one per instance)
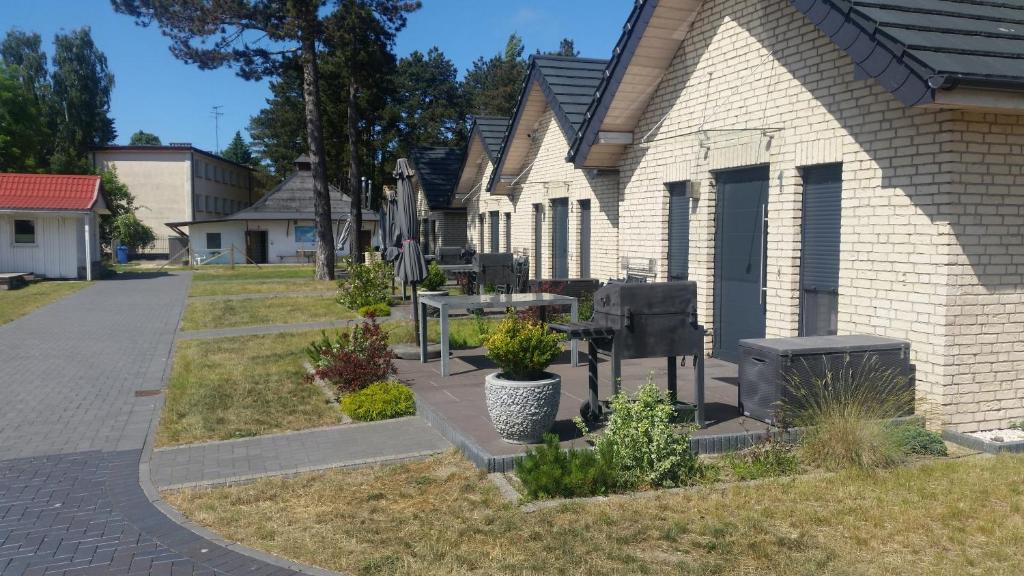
(433, 285)
(522, 397)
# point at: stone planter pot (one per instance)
(522, 411)
(431, 311)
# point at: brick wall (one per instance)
(932, 203)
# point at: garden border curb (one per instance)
(982, 445)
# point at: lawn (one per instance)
(212, 314)
(228, 274)
(236, 387)
(463, 333)
(268, 286)
(442, 516)
(17, 303)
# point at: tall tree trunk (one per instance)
(355, 182)
(321, 196)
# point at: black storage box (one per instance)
(768, 365)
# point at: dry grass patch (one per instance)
(236, 387)
(442, 516)
(17, 303)
(276, 272)
(212, 314)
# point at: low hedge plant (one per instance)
(352, 360)
(375, 310)
(548, 471)
(379, 401)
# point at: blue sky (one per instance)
(156, 93)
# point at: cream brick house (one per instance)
(488, 216)
(178, 183)
(557, 213)
(830, 166)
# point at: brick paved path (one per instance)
(72, 432)
(294, 452)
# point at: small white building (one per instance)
(277, 229)
(49, 225)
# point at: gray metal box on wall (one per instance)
(767, 365)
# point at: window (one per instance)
(25, 232)
(495, 238)
(206, 170)
(213, 240)
(508, 231)
(480, 227)
(584, 238)
(197, 169)
(678, 231)
(819, 266)
(305, 234)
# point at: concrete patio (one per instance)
(455, 405)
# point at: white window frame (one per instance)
(35, 233)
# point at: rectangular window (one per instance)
(819, 266)
(196, 169)
(678, 231)
(206, 170)
(538, 239)
(305, 234)
(508, 231)
(584, 206)
(213, 240)
(560, 238)
(495, 237)
(25, 232)
(480, 229)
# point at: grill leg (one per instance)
(616, 366)
(673, 390)
(595, 406)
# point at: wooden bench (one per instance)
(14, 280)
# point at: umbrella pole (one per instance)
(416, 314)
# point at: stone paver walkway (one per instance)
(294, 452)
(73, 434)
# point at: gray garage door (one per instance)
(740, 258)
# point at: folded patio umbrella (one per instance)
(390, 240)
(410, 267)
(346, 231)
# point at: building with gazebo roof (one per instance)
(278, 228)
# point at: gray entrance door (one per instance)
(740, 258)
(560, 238)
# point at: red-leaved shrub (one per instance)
(356, 359)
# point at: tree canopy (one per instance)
(492, 85)
(142, 138)
(238, 151)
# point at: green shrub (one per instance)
(847, 413)
(353, 359)
(365, 285)
(375, 310)
(914, 440)
(765, 460)
(435, 278)
(1017, 425)
(548, 471)
(647, 449)
(379, 401)
(522, 349)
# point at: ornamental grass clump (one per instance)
(848, 413)
(648, 449)
(522, 349)
(354, 359)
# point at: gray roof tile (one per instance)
(437, 170)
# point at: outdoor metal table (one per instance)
(487, 302)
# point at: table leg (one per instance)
(423, 333)
(444, 340)
(698, 366)
(574, 312)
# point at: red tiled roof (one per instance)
(48, 192)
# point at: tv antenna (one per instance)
(216, 113)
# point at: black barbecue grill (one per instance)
(642, 321)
